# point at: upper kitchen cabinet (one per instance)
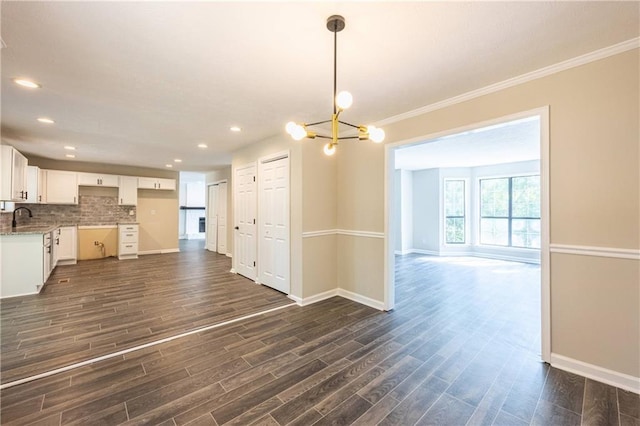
(156, 183)
(128, 191)
(95, 179)
(62, 187)
(14, 175)
(35, 185)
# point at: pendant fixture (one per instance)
(341, 101)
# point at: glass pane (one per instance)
(494, 232)
(454, 230)
(526, 196)
(525, 233)
(454, 198)
(494, 197)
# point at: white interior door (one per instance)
(212, 218)
(245, 221)
(222, 218)
(273, 216)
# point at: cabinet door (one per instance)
(128, 191)
(68, 244)
(62, 187)
(19, 176)
(147, 183)
(168, 184)
(33, 184)
(97, 179)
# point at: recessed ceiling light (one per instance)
(46, 120)
(70, 156)
(202, 145)
(70, 148)
(169, 165)
(177, 160)
(235, 129)
(27, 83)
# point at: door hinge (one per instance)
(254, 221)
(254, 178)
(254, 264)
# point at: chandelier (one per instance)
(341, 101)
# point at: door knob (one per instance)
(237, 228)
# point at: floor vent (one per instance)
(63, 280)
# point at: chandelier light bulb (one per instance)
(344, 100)
(375, 134)
(299, 133)
(290, 127)
(329, 149)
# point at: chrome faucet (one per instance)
(13, 223)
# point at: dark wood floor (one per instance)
(460, 348)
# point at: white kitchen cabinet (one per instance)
(156, 183)
(55, 249)
(67, 245)
(127, 241)
(35, 185)
(13, 182)
(128, 191)
(61, 187)
(96, 179)
(24, 260)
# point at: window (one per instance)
(510, 211)
(454, 211)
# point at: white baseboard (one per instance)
(421, 251)
(610, 377)
(315, 298)
(162, 251)
(376, 304)
(471, 254)
(403, 252)
(67, 262)
(507, 258)
(229, 255)
(233, 271)
(296, 299)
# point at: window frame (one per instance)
(510, 218)
(465, 217)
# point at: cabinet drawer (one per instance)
(128, 237)
(128, 248)
(128, 228)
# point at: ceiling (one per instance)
(510, 142)
(143, 83)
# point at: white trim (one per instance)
(376, 304)
(606, 52)
(367, 234)
(315, 298)
(432, 252)
(229, 255)
(604, 375)
(98, 227)
(161, 251)
(136, 348)
(41, 286)
(619, 253)
(232, 271)
(321, 233)
(349, 232)
(363, 300)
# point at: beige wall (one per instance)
(157, 211)
(88, 250)
(594, 199)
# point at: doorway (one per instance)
(463, 202)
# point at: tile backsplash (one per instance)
(91, 210)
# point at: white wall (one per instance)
(404, 211)
(426, 210)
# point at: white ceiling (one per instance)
(142, 83)
(509, 142)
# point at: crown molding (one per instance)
(606, 52)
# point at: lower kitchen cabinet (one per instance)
(26, 260)
(67, 245)
(127, 241)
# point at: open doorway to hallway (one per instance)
(469, 211)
